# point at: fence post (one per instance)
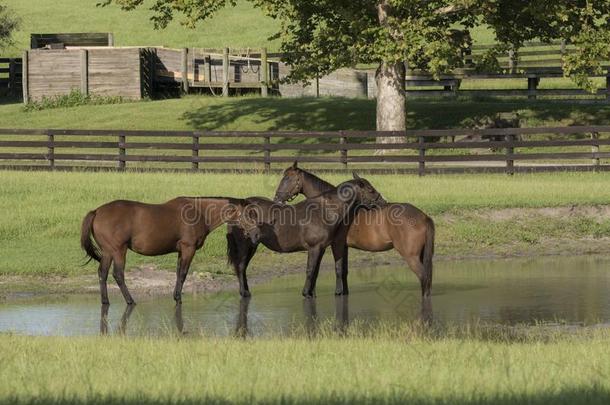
(595, 150)
(267, 154)
(225, 72)
(608, 86)
(264, 73)
(195, 164)
(51, 149)
(422, 157)
(25, 77)
(510, 150)
(185, 70)
(110, 39)
(122, 152)
(84, 72)
(532, 86)
(343, 141)
(12, 79)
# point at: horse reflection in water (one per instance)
(312, 321)
(122, 328)
(241, 330)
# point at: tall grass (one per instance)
(374, 369)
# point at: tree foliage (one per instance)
(320, 36)
(8, 24)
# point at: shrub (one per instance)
(74, 99)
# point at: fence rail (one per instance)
(506, 150)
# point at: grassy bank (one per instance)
(39, 233)
(313, 114)
(378, 369)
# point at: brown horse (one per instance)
(311, 225)
(395, 225)
(180, 225)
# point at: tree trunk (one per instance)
(390, 78)
(391, 100)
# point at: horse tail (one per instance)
(427, 254)
(86, 238)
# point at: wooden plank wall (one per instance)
(52, 73)
(103, 72)
(115, 72)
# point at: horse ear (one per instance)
(294, 165)
(356, 176)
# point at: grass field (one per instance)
(40, 232)
(239, 27)
(389, 368)
(255, 113)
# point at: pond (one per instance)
(567, 290)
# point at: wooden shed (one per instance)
(113, 72)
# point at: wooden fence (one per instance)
(507, 150)
(533, 62)
(10, 76)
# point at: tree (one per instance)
(319, 36)
(8, 24)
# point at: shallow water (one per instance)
(570, 290)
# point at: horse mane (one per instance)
(319, 185)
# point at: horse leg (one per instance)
(186, 257)
(314, 257)
(240, 251)
(339, 249)
(118, 272)
(244, 290)
(102, 274)
(417, 267)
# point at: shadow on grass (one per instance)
(568, 396)
(333, 114)
(277, 114)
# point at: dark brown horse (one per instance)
(180, 225)
(396, 225)
(311, 225)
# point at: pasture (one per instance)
(40, 237)
(518, 313)
(392, 366)
(306, 114)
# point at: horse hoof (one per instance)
(245, 294)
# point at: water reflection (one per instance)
(573, 290)
(122, 328)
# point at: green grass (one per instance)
(327, 113)
(238, 27)
(40, 234)
(383, 368)
(242, 26)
